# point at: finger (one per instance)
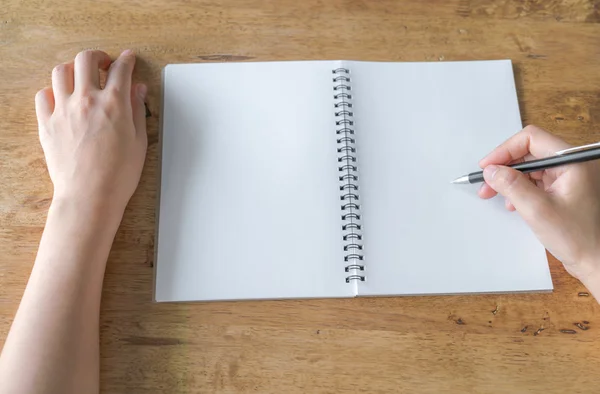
(138, 98)
(87, 69)
(531, 140)
(530, 179)
(121, 72)
(549, 176)
(44, 106)
(509, 205)
(486, 192)
(538, 175)
(527, 157)
(540, 184)
(62, 81)
(527, 198)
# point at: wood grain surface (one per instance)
(534, 343)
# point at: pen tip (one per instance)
(461, 180)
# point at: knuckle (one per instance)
(114, 92)
(508, 179)
(533, 130)
(86, 102)
(113, 103)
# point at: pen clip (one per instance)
(579, 148)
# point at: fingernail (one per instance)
(142, 90)
(127, 52)
(490, 171)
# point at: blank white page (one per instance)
(249, 204)
(419, 126)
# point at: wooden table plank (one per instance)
(418, 344)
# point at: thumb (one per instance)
(138, 98)
(531, 202)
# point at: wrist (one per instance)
(88, 209)
(77, 238)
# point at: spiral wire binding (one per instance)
(348, 176)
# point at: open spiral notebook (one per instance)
(332, 179)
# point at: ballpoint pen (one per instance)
(568, 156)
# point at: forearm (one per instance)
(53, 343)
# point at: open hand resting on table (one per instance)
(94, 139)
(561, 204)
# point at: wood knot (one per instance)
(583, 294)
(568, 331)
(539, 331)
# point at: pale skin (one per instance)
(94, 141)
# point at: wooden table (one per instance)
(457, 344)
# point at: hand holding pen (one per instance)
(561, 204)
